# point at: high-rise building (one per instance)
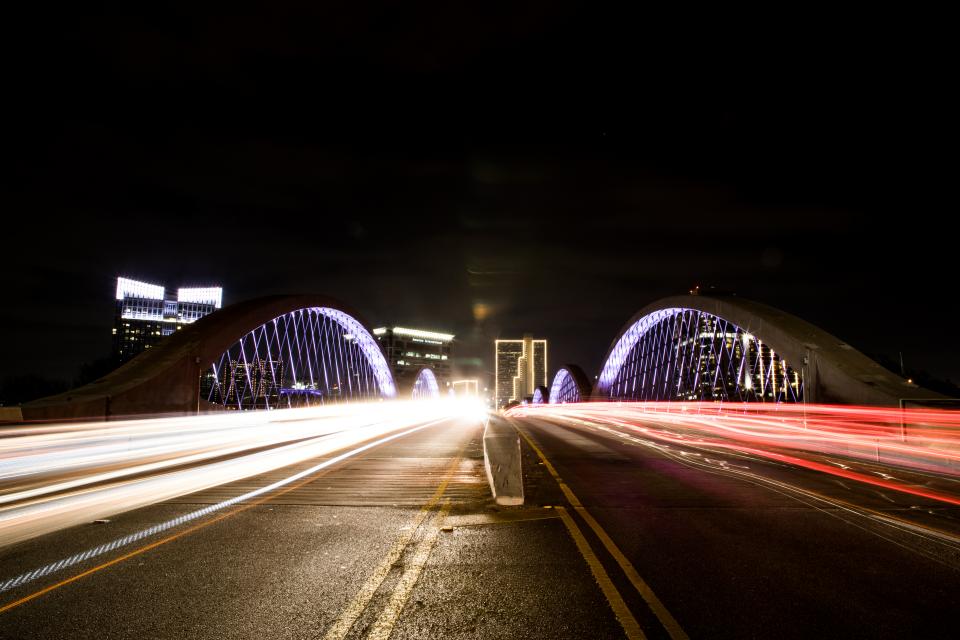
(145, 313)
(409, 350)
(521, 366)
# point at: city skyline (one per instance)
(470, 364)
(558, 211)
(518, 320)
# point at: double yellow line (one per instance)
(383, 626)
(627, 620)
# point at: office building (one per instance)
(520, 367)
(409, 350)
(146, 313)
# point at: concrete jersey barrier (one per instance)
(501, 457)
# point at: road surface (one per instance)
(403, 540)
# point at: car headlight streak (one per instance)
(54, 476)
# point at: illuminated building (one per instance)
(466, 388)
(410, 350)
(257, 384)
(145, 313)
(521, 366)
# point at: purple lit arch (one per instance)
(689, 354)
(540, 395)
(425, 386)
(570, 384)
(275, 351)
(305, 357)
(725, 348)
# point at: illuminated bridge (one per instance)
(292, 351)
(700, 348)
(731, 472)
(268, 353)
(570, 384)
(425, 385)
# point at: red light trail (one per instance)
(913, 439)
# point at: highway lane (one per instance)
(52, 476)
(400, 540)
(741, 546)
(395, 535)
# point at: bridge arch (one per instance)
(277, 345)
(570, 384)
(726, 348)
(540, 395)
(425, 385)
(307, 356)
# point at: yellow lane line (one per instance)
(383, 627)
(620, 609)
(154, 545)
(360, 601)
(663, 615)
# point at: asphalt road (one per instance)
(404, 541)
(357, 550)
(741, 547)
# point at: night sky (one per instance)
(538, 169)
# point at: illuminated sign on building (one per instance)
(410, 350)
(145, 313)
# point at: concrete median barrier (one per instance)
(501, 456)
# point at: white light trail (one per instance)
(53, 567)
(55, 476)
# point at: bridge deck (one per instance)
(404, 540)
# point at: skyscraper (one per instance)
(409, 350)
(145, 313)
(521, 366)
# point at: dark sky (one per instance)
(538, 168)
